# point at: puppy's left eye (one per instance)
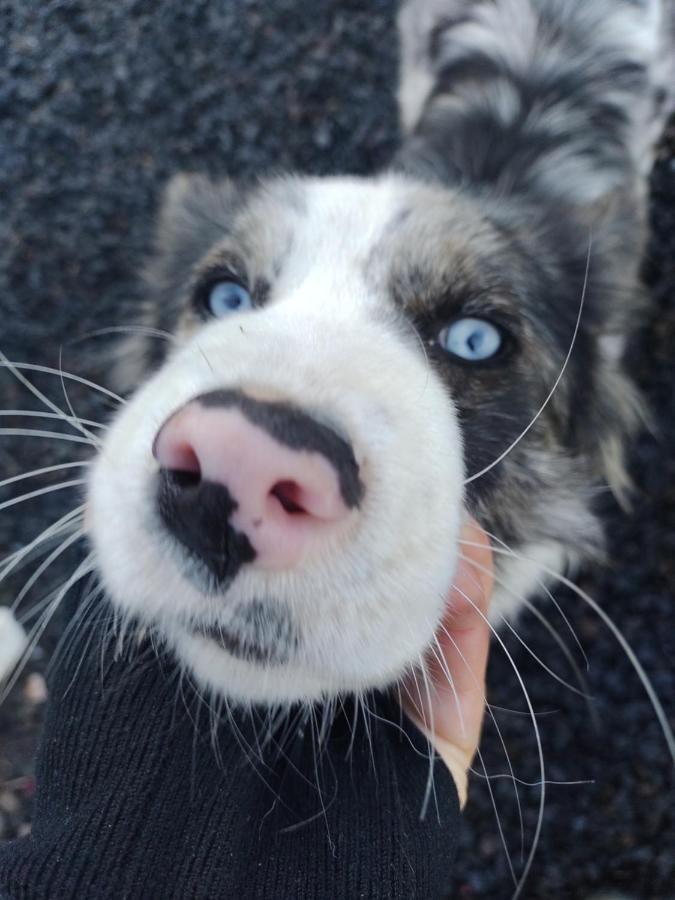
(225, 297)
(473, 340)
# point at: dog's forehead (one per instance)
(306, 203)
(308, 222)
(364, 232)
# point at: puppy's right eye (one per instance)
(227, 296)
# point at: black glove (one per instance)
(141, 795)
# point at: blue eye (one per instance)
(474, 340)
(226, 297)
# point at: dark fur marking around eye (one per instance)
(294, 428)
(197, 513)
(429, 327)
(430, 307)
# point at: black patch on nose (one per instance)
(197, 513)
(291, 426)
(261, 631)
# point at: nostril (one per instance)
(288, 493)
(178, 460)
(184, 458)
(180, 465)
(183, 479)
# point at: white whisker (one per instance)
(431, 784)
(52, 435)
(550, 394)
(522, 712)
(41, 491)
(438, 655)
(499, 735)
(398, 727)
(322, 802)
(128, 329)
(37, 414)
(500, 776)
(63, 652)
(354, 724)
(549, 594)
(63, 546)
(47, 370)
(70, 420)
(75, 418)
(625, 646)
(366, 725)
(83, 569)
(44, 471)
(495, 808)
(548, 626)
(64, 522)
(540, 749)
(585, 690)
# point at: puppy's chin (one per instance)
(228, 668)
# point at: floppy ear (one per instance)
(195, 213)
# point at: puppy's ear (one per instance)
(195, 214)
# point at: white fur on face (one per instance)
(367, 603)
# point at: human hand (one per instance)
(449, 704)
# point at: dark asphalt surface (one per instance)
(99, 104)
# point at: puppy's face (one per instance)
(281, 500)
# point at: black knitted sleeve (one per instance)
(144, 792)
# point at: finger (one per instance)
(451, 713)
(463, 645)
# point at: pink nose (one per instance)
(265, 472)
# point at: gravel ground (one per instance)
(99, 104)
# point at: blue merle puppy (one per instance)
(359, 364)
